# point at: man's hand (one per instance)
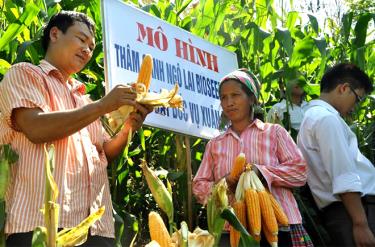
(363, 236)
(120, 95)
(361, 233)
(137, 117)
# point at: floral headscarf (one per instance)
(247, 78)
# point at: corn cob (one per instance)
(158, 231)
(240, 211)
(256, 237)
(281, 217)
(142, 86)
(252, 203)
(160, 193)
(253, 211)
(238, 166)
(272, 239)
(268, 215)
(145, 72)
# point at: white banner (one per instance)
(179, 57)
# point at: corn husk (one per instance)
(166, 98)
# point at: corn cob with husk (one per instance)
(217, 202)
(266, 208)
(78, 234)
(160, 193)
(252, 204)
(158, 231)
(263, 211)
(165, 98)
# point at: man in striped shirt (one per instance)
(42, 105)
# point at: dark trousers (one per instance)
(284, 240)
(24, 240)
(339, 224)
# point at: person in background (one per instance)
(42, 105)
(341, 179)
(276, 158)
(294, 109)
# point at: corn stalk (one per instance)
(7, 157)
(47, 235)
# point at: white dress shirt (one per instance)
(335, 164)
(296, 112)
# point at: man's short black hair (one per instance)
(345, 73)
(63, 20)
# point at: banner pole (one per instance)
(189, 187)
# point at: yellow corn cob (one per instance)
(160, 193)
(256, 238)
(238, 166)
(145, 72)
(158, 231)
(240, 211)
(281, 217)
(272, 239)
(253, 211)
(268, 215)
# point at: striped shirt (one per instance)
(270, 148)
(80, 162)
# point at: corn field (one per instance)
(277, 48)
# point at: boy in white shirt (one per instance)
(341, 179)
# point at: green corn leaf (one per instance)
(39, 237)
(16, 28)
(246, 239)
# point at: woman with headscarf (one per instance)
(273, 153)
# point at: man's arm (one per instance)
(361, 231)
(40, 127)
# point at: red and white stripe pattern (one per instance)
(270, 148)
(80, 170)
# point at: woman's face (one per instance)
(235, 102)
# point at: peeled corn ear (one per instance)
(238, 166)
(240, 211)
(281, 217)
(145, 73)
(158, 231)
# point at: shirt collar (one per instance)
(324, 104)
(49, 69)
(255, 124)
